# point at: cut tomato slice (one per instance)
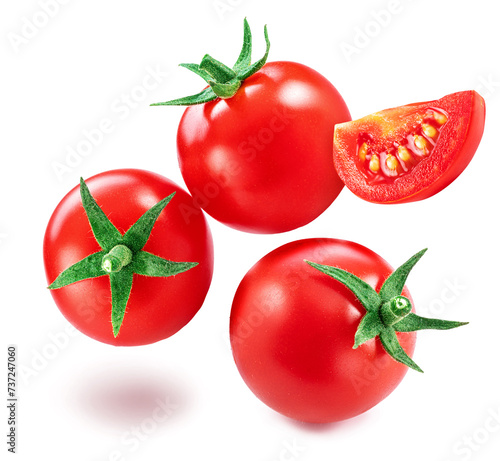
(411, 152)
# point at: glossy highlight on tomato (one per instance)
(411, 152)
(261, 161)
(158, 306)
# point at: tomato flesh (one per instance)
(411, 152)
(381, 160)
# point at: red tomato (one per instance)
(410, 152)
(261, 161)
(158, 307)
(292, 332)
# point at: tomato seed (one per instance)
(440, 118)
(429, 130)
(404, 153)
(392, 162)
(374, 163)
(362, 151)
(421, 143)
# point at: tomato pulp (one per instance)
(411, 152)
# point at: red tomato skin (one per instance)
(455, 149)
(158, 307)
(292, 330)
(261, 161)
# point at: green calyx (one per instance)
(121, 257)
(223, 81)
(387, 311)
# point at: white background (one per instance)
(70, 71)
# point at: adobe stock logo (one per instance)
(487, 86)
(31, 26)
(223, 7)
(472, 442)
(366, 33)
(120, 109)
(246, 152)
(42, 357)
(290, 451)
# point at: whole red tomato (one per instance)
(158, 306)
(259, 159)
(293, 328)
(411, 152)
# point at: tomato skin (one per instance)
(261, 161)
(454, 150)
(158, 307)
(292, 331)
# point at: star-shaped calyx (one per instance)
(387, 311)
(121, 256)
(223, 81)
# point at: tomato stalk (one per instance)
(223, 81)
(395, 310)
(387, 311)
(121, 257)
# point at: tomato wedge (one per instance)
(411, 152)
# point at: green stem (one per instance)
(387, 311)
(224, 81)
(395, 310)
(219, 71)
(119, 257)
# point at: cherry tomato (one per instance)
(261, 161)
(158, 306)
(292, 331)
(411, 152)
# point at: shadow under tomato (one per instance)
(126, 394)
(327, 428)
